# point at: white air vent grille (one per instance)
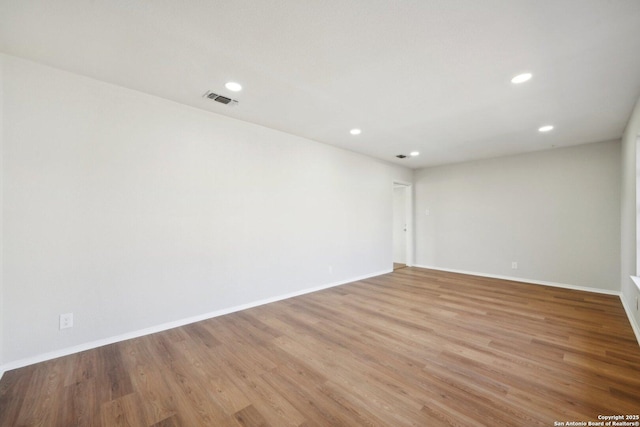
(221, 98)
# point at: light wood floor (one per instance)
(413, 347)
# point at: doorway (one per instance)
(402, 225)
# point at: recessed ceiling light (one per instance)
(521, 78)
(233, 86)
(546, 128)
(355, 131)
(414, 153)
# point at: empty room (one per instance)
(319, 213)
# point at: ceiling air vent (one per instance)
(221, 99)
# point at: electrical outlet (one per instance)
(66, 320)
(514, 265)
(331, 269)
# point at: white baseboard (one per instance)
(520, 279)
(170, 325)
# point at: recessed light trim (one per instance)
(355, 131)
(414, 153)
(545, 128)
(521, 78)
(233, 86)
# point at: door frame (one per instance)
(408, 212)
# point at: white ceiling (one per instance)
(426, 75)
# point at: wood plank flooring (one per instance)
(414, 347)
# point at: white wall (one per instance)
(131, 211)
(628, 216)
(554, 212)
(1, 213)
